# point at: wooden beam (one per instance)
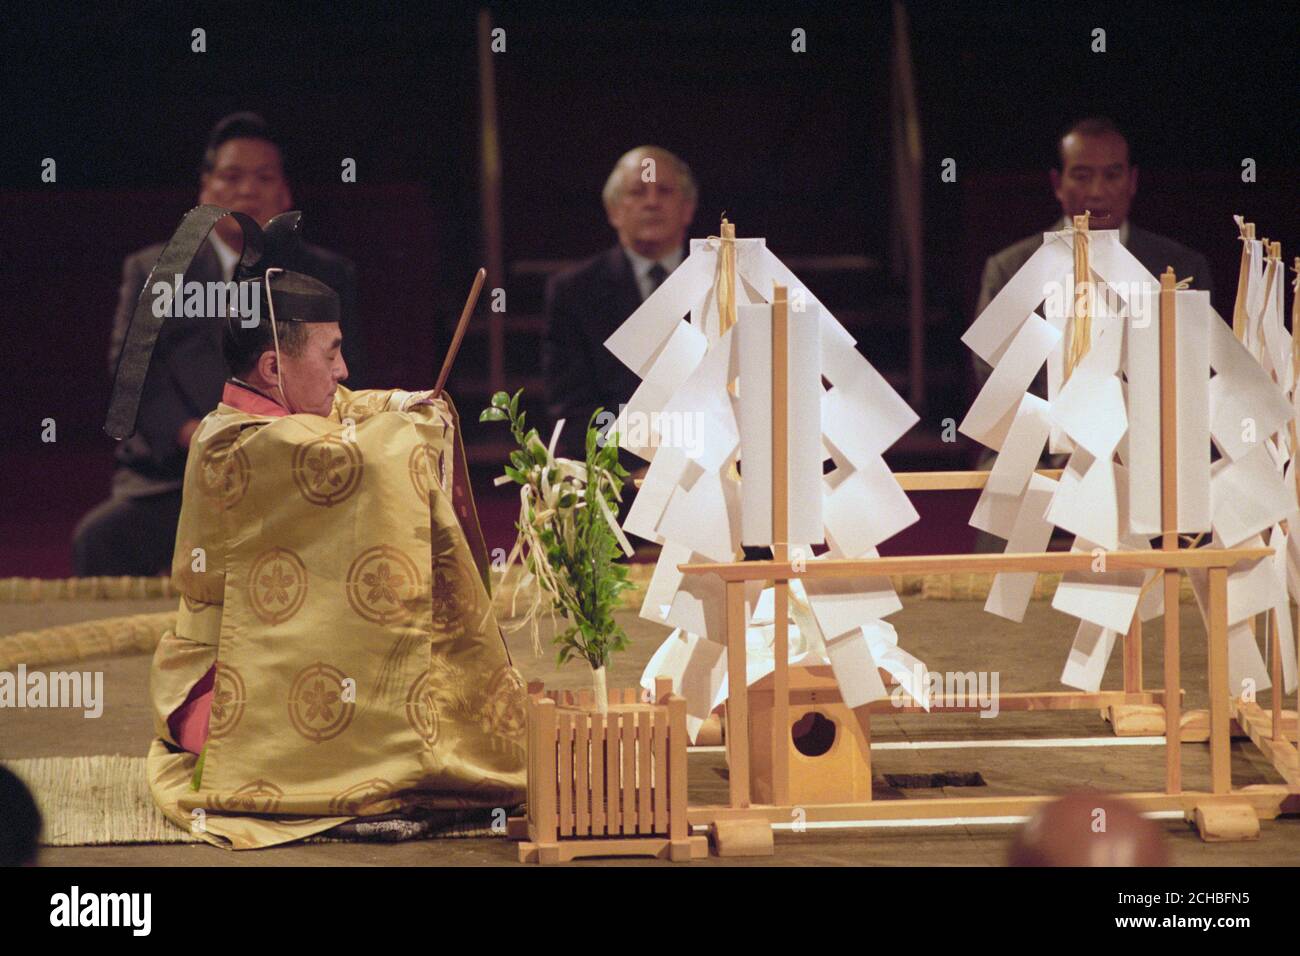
(1220, 693)
(962, 563)
(737, 697)
(1173, 701)
(954, 480)
(1268, 801)
(490, 194)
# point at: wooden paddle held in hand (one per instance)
(460, 331)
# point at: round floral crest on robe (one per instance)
(228, 696)
(277, 585)
(223, 474)
(317, 709)
(327, 470)
(383, 584)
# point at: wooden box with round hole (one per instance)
(830, 750)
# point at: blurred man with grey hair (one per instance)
(649, 201)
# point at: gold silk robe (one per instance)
(342, 593)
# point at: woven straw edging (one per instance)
(35, 590)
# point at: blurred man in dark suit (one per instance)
(134, 531)
(1095, 176)
(649, 200)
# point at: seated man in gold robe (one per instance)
(335, 654)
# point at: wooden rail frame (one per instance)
(1216, 561)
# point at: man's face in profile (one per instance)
(312, 377)
(1095, 176)
(247, 177)
(651, 217)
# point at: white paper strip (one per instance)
(1089, 654)
(1108, 599)
(665, 582)
(639, 426)
(699, 603)
(866, 508)
(638, 340)
(706, 518)
(1022, 448)
(989, 418)
(855, 669)
(1247, 496)
(863, 415)
(841, 604)
(1002, 318)
(804, 429)
(1192, 347)
(700, 412)
(697, 668)
(1091, 411)
(1247, 672)
(1010, 593)
(1254, 587)
(668, 469)
(1088, 506)
(1246, 406)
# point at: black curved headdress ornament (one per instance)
(177, 258)
(280, 240)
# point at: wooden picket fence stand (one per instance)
(611, 784)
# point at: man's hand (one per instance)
(187, 432)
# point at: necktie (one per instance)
(656, 275)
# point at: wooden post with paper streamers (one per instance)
(1169, 522)
(780, 545)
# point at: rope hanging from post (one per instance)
(1080, 337)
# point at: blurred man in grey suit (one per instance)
(134, 531)
(1096, 176)
(649, 201)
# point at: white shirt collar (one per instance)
(227, 256)
(642, 266)
(1065, 223)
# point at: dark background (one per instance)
(794, 147)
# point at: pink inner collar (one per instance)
(244, 399)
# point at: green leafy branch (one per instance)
(569, 537)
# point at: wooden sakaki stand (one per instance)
(742, 826)
(610, 784)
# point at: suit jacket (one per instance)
(583, 308)
(1153, 251)
(187, 372)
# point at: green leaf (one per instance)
(501, 400)
(492, 415)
